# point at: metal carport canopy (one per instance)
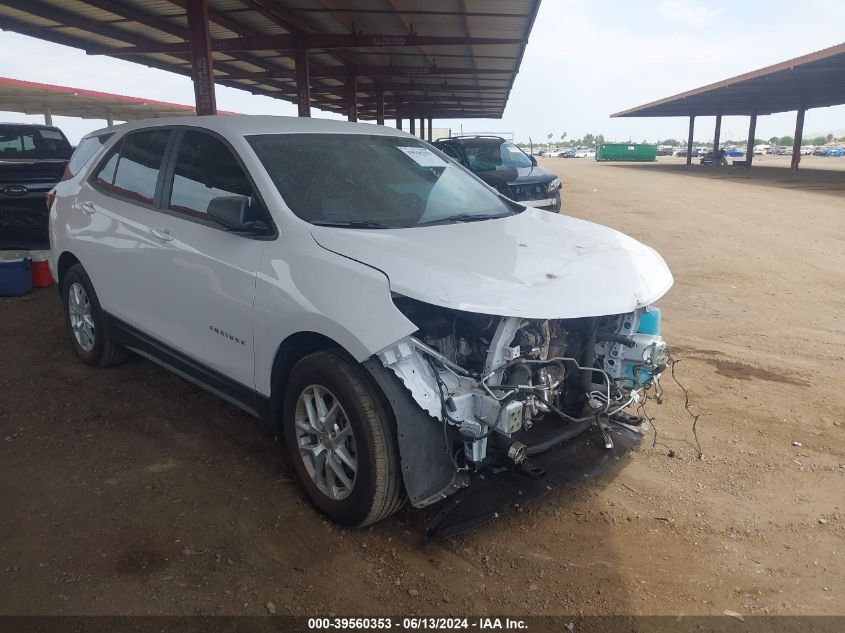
(30, 97)
(816, 80)
(431, 58)
(810, 81)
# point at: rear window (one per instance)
(84, 151)
(27, 141)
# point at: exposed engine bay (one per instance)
(489, 380)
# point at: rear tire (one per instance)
(340, 435)
(86, 324)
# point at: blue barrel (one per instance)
(15, 275)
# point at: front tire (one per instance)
(86, 324)
(340, 435)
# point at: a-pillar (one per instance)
(749, 148)
(303, 83)
(799, 136)
(689, 139)
(202, 69)
(352, 98)
(717, 159)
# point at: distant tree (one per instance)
(786, 140)
(671, 142)
(819, 140)
(829, 139)
(599, 139)
(589, 140)
(774, 140)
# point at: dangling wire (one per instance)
(694, 416)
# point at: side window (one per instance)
(205, 169)
(138, 167)
(104, 177)
(84, 151)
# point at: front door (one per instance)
(204, 275)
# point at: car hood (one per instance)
(534, 264)
(519, 176)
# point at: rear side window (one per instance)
(104, 177)
(139, 163)
(84, 151)
(205, 169)
(27, 141)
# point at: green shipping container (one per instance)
(627, 151)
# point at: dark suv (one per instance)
(32, 160)
(502, 165)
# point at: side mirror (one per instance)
(533, 160)
(233, 212)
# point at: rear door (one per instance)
(110, 223)
(204, 275)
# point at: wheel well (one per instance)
(293, 349)
(66, 260)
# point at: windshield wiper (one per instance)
(351, 224)
(466, 217)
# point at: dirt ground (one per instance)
(129, 491)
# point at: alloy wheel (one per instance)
(326, 442)
(81, 319)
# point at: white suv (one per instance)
(402, 324)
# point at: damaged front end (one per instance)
(492, 395)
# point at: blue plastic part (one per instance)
(650, 322)
(643, 376)
(15, 278)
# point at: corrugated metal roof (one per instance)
(815, 80)
(460, 78)
(30, 97)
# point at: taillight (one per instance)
(51, 198)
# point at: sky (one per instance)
(585, 60)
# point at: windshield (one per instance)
(26, 141)
(373, 181)
(489, 154)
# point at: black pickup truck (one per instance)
(32, 160)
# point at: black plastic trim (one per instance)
(209, 379)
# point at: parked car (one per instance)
(835, 151)
(682, 152)
(708, 158)
(585, 152)
(820, 151)
(32, 160)
(665, 150)
(734, 152)
(506, 168)
(405, 327)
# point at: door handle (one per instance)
(87, 208)
(162, 234)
